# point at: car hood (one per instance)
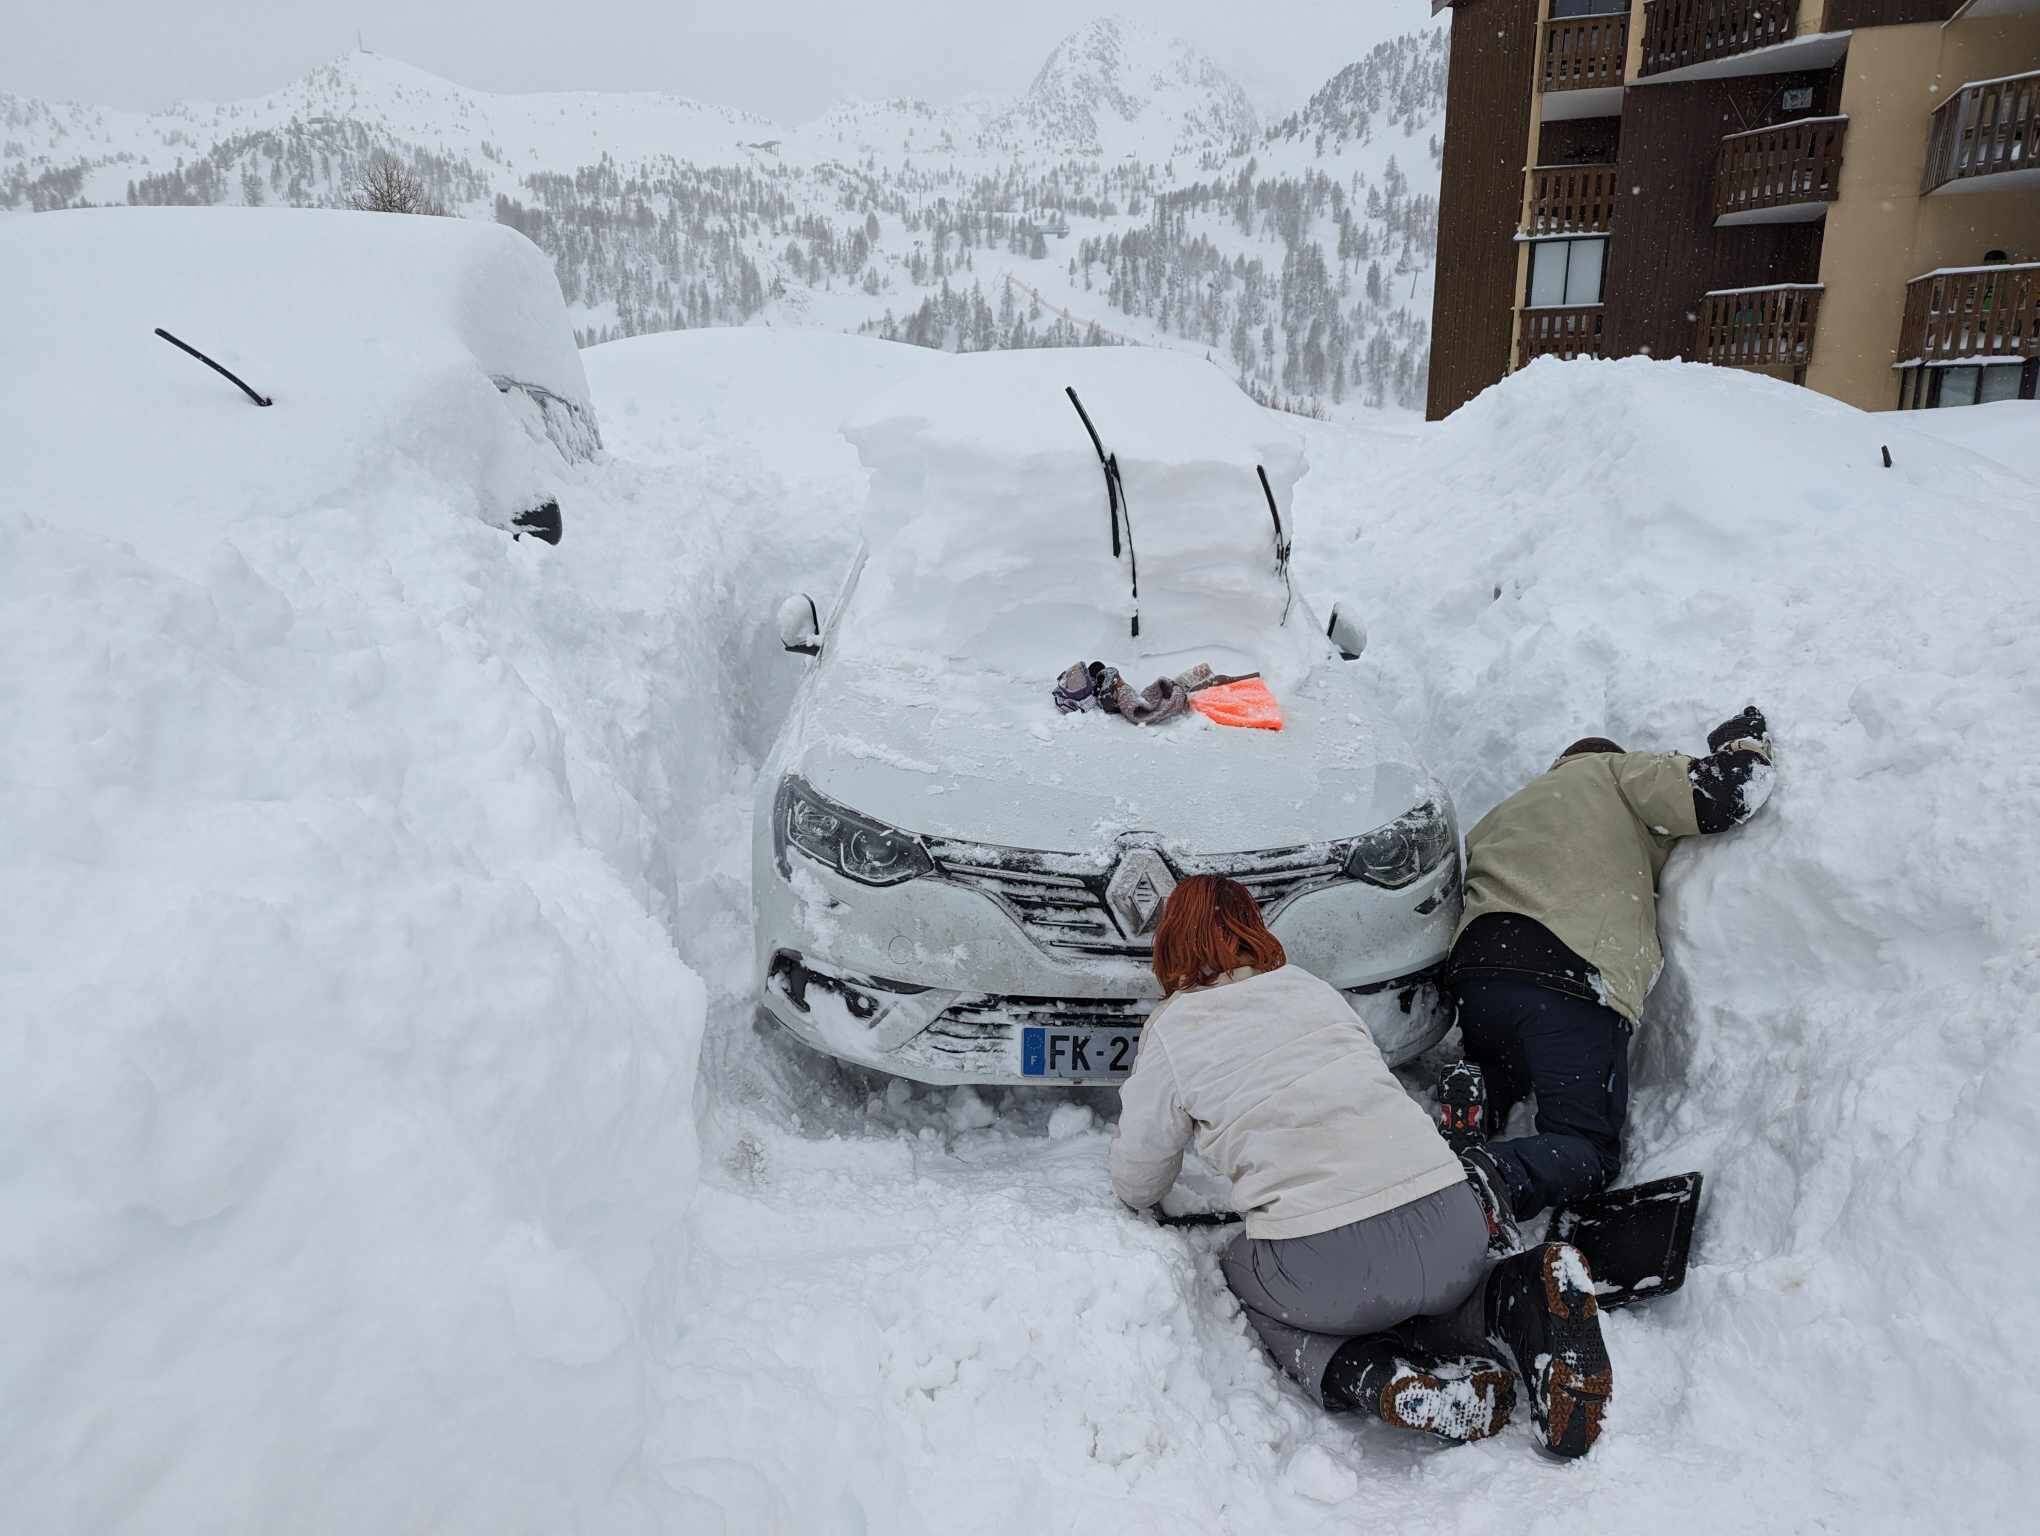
(980, 758)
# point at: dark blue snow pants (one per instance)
(1574, 1055)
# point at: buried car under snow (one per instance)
(437, 351)
(956, 882)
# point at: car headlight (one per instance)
(1407, 849)
(866, 851)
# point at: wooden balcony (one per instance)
(1585, 58)
(1780, 175)
(1964, 313)
(1986, 136)
(1679, 34)
(1570, 200)
(1571, 332)
(1767, 328)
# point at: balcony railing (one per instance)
(1770, 328)
(1678, 33)
(1570, 199)
(1972, 312)
(1570, 332)
(1584, 53)
(1990, 128)
(1774, 174)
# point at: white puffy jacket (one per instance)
(1287, 1096)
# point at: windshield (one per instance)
(1030, 597)
(991, 533)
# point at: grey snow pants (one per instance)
(1305, 1296)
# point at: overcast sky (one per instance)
(787, 59)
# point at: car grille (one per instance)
(1059, 898)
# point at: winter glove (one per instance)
(1747, 726)
(1731, 783)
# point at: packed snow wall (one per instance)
(348, 1107)
(1843, 1035)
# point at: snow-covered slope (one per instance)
(352, 1141)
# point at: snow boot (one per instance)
(1485, 1175)
(1462, 1106)
(1541, 1307)
(1454, 1399)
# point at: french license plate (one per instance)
(1077, 1052)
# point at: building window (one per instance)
(1974, 384)
(1562, 9)
(1566, 273)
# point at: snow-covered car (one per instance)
(437, 349)
(957, 883)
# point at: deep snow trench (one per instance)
(391, 1147)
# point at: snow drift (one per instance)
(1842, 1038)
(356, 1173)
(350, 1061)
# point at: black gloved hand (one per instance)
(1747, 726)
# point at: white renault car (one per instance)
(958, 883)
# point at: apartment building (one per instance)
(1843, 193)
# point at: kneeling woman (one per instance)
(1364, 1267)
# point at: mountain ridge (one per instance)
(1303, 250)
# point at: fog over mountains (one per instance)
(1129, 194)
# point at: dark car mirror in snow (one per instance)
(1346, 632)
(800, 626)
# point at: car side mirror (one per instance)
(800, 626)
(1347, 633)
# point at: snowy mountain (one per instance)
(1117, 89)
(940, 224)
(1401, 84)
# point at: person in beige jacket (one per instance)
(1558, 948)
(1364, 1266)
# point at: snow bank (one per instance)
(349, 1152)
(348, 1111)
(1843, 1036)
(381, 339)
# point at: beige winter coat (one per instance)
(1286, 1094)
(1580, 850)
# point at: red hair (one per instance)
(1209, 927)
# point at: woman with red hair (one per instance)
(1365, 1265)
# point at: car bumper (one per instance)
(951, 1038)
(935, 982)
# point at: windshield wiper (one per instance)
(1115, 500)
(1281, 543)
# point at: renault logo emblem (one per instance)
(1139, 888)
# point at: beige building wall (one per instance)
(1881, 232)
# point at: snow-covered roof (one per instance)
(383, 340)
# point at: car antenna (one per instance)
(1281, 543)
(239, 382)
(1115, 499)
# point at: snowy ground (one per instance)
(391, 1147)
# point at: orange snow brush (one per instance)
(1244, 703)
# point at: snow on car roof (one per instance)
(379, 337)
